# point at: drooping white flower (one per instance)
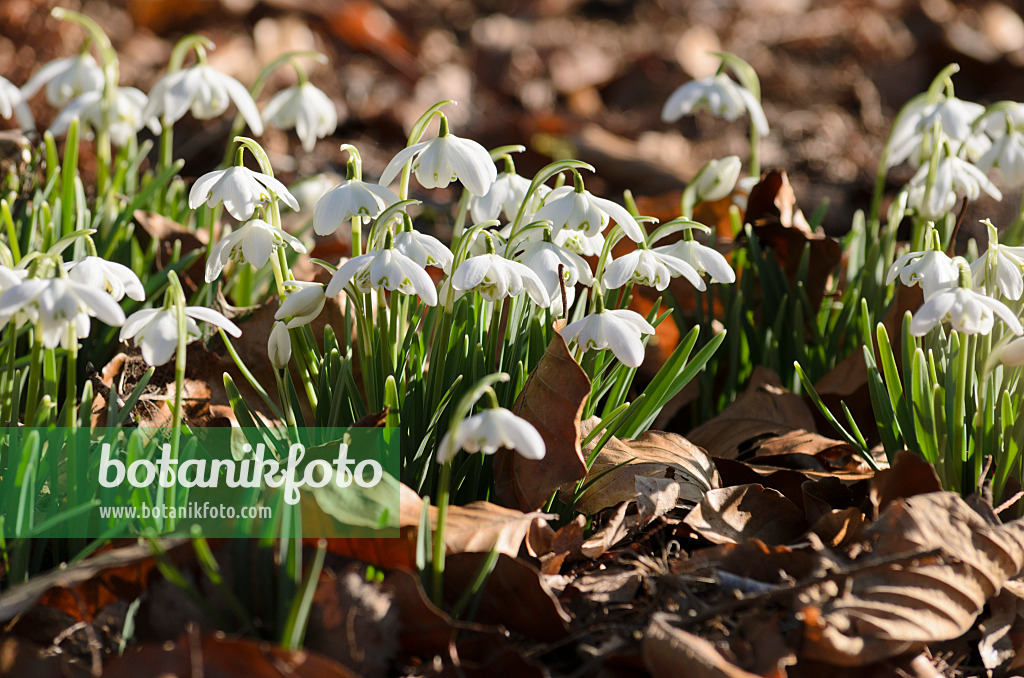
(952, 175)
(387, 268)
(1012, 354)
(1006, 127)
(912, 133)
(496, 278)
(619, 330)
(425, 250)
(443, 159)
(12, 102)
(116, 279)
(717, 179)
(351, 198)
(251, 244)
(653, 268)
(720, 95)
(543, 258)
(240, 189)
(303, 304)
(9, 277)
(204, 90)
(65, 79)
(931, 269)
(307, 109)
(489, 431)
(965, 310)
(155, 330)
(505, 196)
(579, 242)
(279, 346)
(1000, 268)
(122, 123)
(577, 209)
(706, 260)
(55, 304)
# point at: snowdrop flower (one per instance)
(487, 241)
(65, 79)
(240, 189)
(717, 179)
(965, 310)
(1000, 268)
(9, 277)
(251, 244)
(952, 174)
(718, 94)
(116, 279)
(54, 304)
(489, 431)
(911, 137)
(654, 268)
(155, 330)
(704, 259)
(351, 198)
(204, 90)
(387, 268)
(122, 123)
(279, 346)
(543, 258)
(443, 159)
(931, 269)
(307, 109)
(425, 250)
(505, 196)
(579, 242)
(496, 278)
(302, 305)
(12, 102)
(1005, 124)
(577, 209)
(620, 330)
(1012, 354)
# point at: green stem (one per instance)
(437, 588)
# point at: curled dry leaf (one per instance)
(615, 473)
(733, 514)
(902, 606)
(669, 652)
(552, 401)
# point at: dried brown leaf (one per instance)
(669, 652)
(733, 514)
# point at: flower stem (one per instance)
(437, 587)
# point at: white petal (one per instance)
(208, 315)
(399, 161)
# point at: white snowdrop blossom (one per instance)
(577, 209)
(1000, 268)
(307, 109)
(12, 102)
(65, 79)
(965, 310)
(718, 94)
(116, 279)
(543, 259)
(619, 330)
(252, 244)
(489, 431)
(349, 199)
(706, 260)
(1012, 354)
(425, 250)
(496, 278)
(204, 90)
(303, 304)
(579, 242)
(717, 179)
(387, 268)
(1006, 127)
(931, 269)
(443, 159)
(505, 196)
(952, 175)
(653, 268)
(55, 304)
(911, 137)
(155, 330)
(122, 123)
(279, 346)
(240, 189)
(9, 277)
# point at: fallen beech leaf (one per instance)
(553, 401)
(655, 497)
(669, 652)
(613, 531)
(900, 607)
(614, 474)
(755, 560)
(168, 233)
(909, 475)
(733, 514)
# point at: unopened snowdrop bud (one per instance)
(279, 347)
(303, 304)
(1012, 354)
(717, 179)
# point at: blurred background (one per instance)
(580, 78)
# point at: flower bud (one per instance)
(280, 346)
(718, 178)
(302, 305)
